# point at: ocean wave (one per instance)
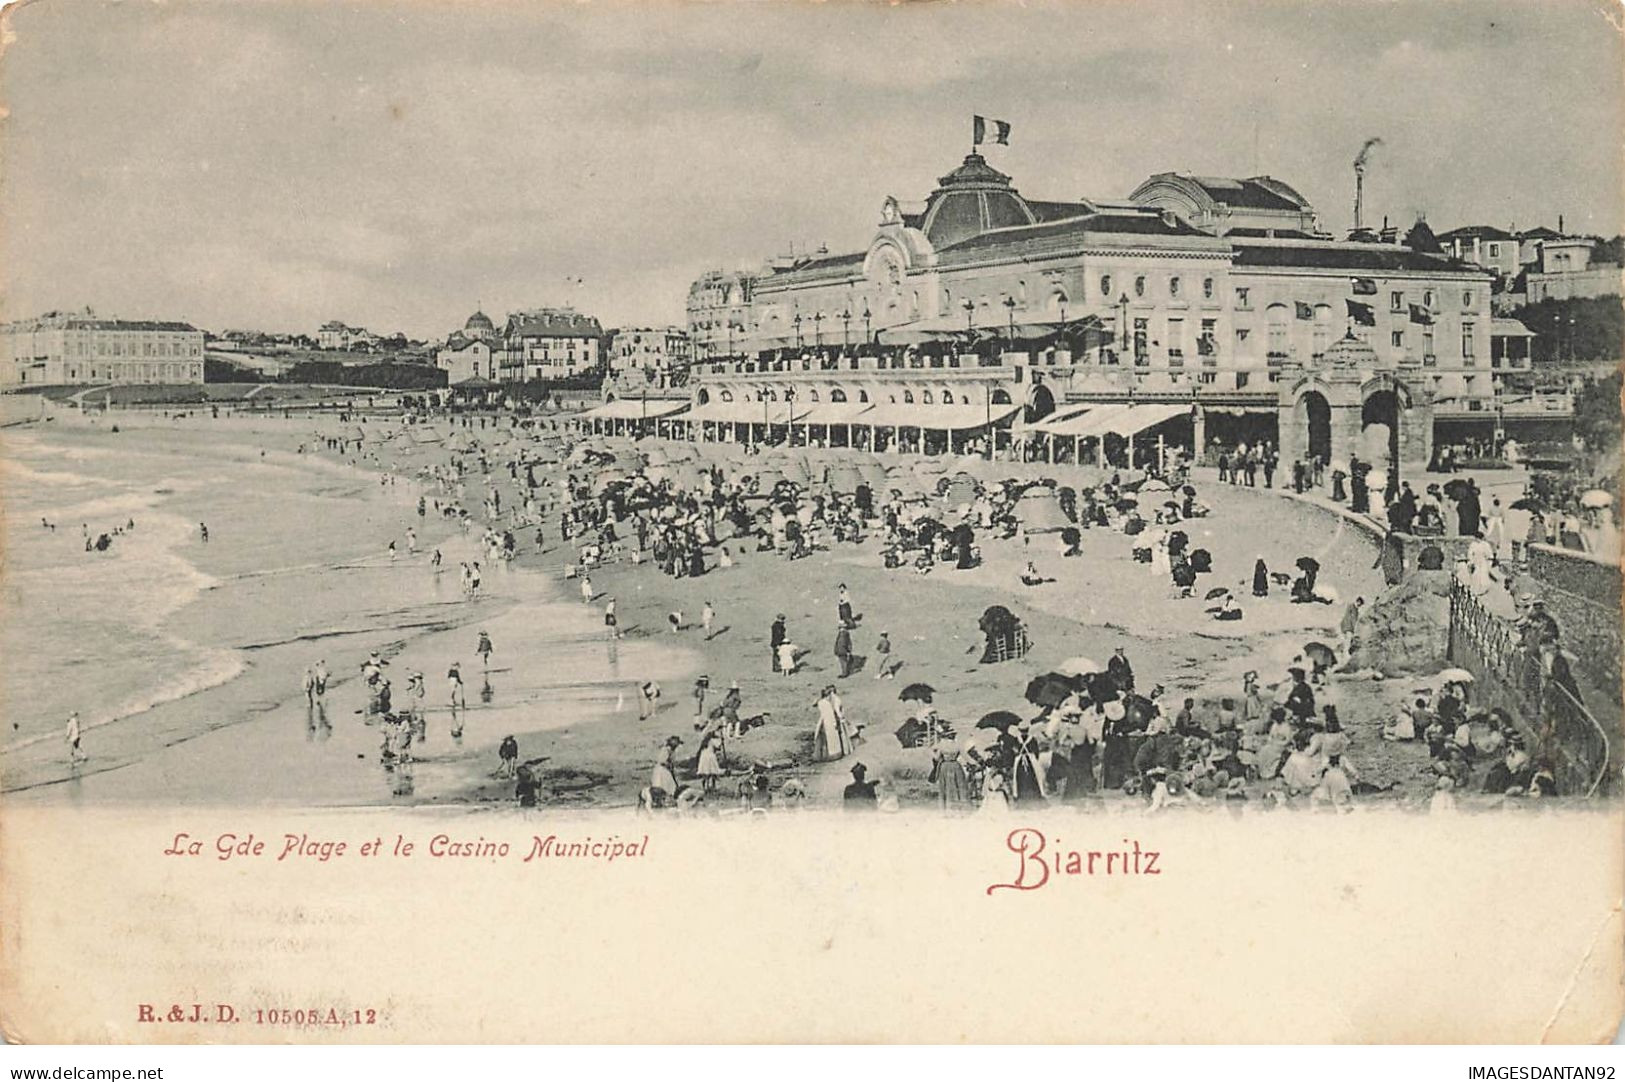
(213, 668)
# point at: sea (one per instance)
(297, 551)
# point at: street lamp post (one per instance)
(797, 322)
(818, 328)
(846, 326)
(867, 337)
(1010, 307)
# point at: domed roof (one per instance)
(479, 321)
(1351, 352)
(973, 199)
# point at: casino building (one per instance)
(1200, 312)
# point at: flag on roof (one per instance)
(1304, 311)
(1362, 314)
(1001, 131)
(1421, 315)
(1365, 287)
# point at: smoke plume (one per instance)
(1365, 151)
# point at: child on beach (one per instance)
(484, 650)
(508, 753)
(586, 590)
(609, 619)
(708, 616)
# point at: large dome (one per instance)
(479, 321)
(973, 199)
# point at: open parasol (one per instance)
(1455, 676)
(998, 719)
(917, 693)
(1051, 689)
(1596, 499)
(1079, 666)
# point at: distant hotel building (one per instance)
(648, 355)
(983, 314)
(64, 348)
(336, 335)
(545, 343)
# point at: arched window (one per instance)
(1173, 287)
(836, 395)
(863, 396)
(926, 399)
(769, 395)
(1001, 397)
(1207, 289)
(914, 305)
(947, 398)
(1058, 300)
(1427, 299)
(1021, 293)
(1106, 287)
(812, 395)
(704, 396)
(1139, 286)
(1276, 318)
(726, 396)
(908, 397)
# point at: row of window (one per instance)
(927, 397)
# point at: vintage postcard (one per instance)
(782, 522)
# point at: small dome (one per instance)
(1351, 352)
(479, 321)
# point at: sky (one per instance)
(277, 164)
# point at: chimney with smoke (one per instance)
(1360, 160)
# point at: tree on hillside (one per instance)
(1580, 329)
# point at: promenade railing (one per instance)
(1510, 674)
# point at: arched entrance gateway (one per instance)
(1317, 422)
(1350, 403)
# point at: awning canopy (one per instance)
(835, 413)
(632, 409)
(957, 418)
(1129, 420)
(776, 413)
(1062, 421)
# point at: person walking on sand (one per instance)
(586, 590)
(320, 680)
(434, 561)
(483, 648)
(843, 649)
(76, 754)
(883, 661)
(411, 541)
(611, 625)
(708, 617)
(203, 532)
(474, 580)
(310, 687)
(701, 687)
(775, 639)
(391, 551)
(457, 695)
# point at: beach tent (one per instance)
(1039, 511)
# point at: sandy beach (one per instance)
(567, 691)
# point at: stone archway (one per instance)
(1316, 415)
(1379, 433)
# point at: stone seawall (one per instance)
(1583, 593)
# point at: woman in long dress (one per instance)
(664, 774)
(1026, 774)
(953, 788)
(830, 738)
(709, 767)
